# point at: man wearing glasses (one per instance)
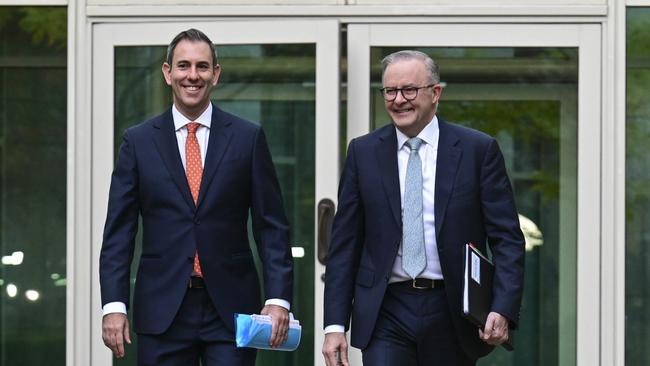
(411, 195)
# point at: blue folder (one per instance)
(255, 331)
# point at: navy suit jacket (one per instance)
(473, 203)
(149, 181)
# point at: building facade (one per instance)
(560, 83)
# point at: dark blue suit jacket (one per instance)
(473, 203)
(149, 181)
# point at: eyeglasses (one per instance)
(409, 93)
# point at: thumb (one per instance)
(127, 333)
(489, 324)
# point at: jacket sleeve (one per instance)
(346, 246)
(270, 225)
(504, 234)
(120, 228)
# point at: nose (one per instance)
(193, 74)
(399, 98)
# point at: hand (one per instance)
(335, 349)
(279, 324)
(496, 329)
(115, 329)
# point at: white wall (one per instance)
(349, 2)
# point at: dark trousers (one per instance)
(197, 333)
(414, 328)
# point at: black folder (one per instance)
(477, 289)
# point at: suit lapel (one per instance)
(387, 162)
(220, 136)
(165, 140)
(447, 165)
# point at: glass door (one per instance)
(285, 78)
(536, 88)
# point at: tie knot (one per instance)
(414, 143)
(192, 127)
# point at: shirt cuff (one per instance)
(279, 302)
(114, 307)
(335, 328)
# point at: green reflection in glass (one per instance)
(637, 189)
(33, 129)
(273, 85)
(525, 98)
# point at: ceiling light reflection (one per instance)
(297, 252)
(60, 282)
(32, 295)
(12, 290)
(15, 259)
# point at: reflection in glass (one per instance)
(637, 189)
(526, 99)
(273, 85)
(32, 185)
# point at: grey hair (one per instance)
(192, 35)
(431, 66)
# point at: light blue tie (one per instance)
(414, 258)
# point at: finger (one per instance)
(120, 345)
(112, 344)
(330, 353)
(282, 334)
(127, 332)
(496, 339)
(496, 334)
(489, 328)
(285, 331)
(487, 333)
(343, 354)
(274, 331)
(331, 359)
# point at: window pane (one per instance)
(525, 98)
(273, 85)
(637, 189)
(32, 185)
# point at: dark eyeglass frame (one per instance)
(385, 92)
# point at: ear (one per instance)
(167, 73)
(437, 93)
(216, 72)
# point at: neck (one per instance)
(194, 113)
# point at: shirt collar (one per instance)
(180, 120)
(429, 134)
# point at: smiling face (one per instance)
(192, 76)
(412, 116)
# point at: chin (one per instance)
(403, 124)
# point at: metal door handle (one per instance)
(326, 209)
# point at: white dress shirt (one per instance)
(428, 154)
(203, 136)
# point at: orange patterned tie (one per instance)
(194, 172)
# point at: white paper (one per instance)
(466, 284)
(476, 268)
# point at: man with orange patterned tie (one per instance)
(193, 174)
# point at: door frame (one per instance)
(324, 33)
(585, 37)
